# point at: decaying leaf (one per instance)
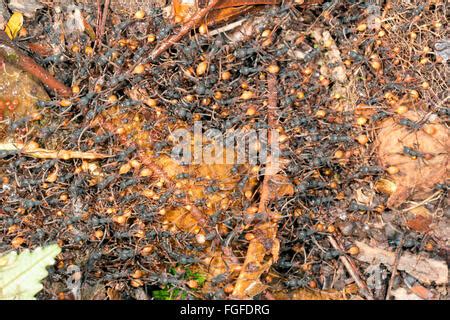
(4, 15)
(224, 10)
(443, 49)
(262, 252)
(419, 223)
(424, 269)
(21, 275)
(280, 186)
(416, 177)
(113, 294)
(249, 284)
(74, 21)
(441, 230)
(332, 66)
(95, 292)
(364, 196)
(219, 263)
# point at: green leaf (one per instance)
(163, 294)
(200, 278)
(21, 275)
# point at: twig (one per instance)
(387, 7)
(167, 43)
(266, 233)
(227, 27)
(99, 18)
(271, 120)
(433, 197)
(102, 21)
(398, 254)
(39, 153)
(352, 270)
(11, 53)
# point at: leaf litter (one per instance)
(364, 142)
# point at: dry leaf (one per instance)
(419, 223)
(420, 211)
(332, 56)
(113, 294)
(280, 186)
(248, 283)
(424, 269)
(262, 252)
(416, 178)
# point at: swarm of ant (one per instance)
(329, 77)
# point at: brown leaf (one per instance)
(280, 186)
(420, 211)
(95, 292)
(248, 283)
(416, 177)
(424, 269)
(113, 294)
(419, 223)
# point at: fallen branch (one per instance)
(263, 250)
(102, 20)
(271, 120)
(351, 269)
(169, 42)
(34, 152)
(11, 53)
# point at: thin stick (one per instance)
(227, 27)
(352, 270)
(167, 43)
(102, 25)
(39, 153)
(12, 53)
(99, 18)
(398, 254)
(266, 234)
(387, 7)
(271, 119)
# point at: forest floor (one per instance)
(354, 93)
